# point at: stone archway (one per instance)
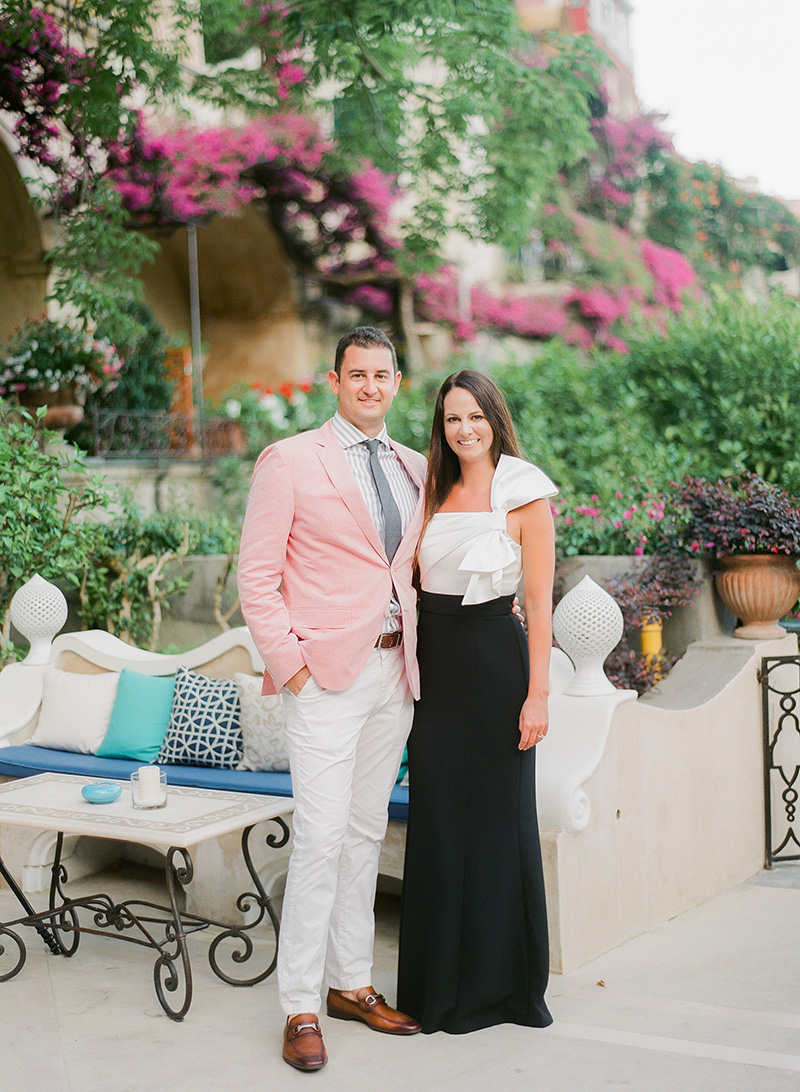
(251, 323)
(23, 269)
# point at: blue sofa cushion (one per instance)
(24, 761)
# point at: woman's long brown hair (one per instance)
(444, 469)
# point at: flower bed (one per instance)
(48, 355)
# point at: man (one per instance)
(325, 583)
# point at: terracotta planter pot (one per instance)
(759, 589)
(64, 406)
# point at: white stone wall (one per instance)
(677, 805)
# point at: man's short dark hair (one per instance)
(364, 337)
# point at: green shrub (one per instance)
(39, 528)
(628, 524)
(719, 387)
(142, 384)
(722, 386)
(126, 586)
(574, 420)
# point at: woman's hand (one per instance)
(519, 613)
(533, 721)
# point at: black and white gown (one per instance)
(473, 933)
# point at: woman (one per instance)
(473, 936)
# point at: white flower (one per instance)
(275, 409)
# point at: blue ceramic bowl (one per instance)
(101, 792)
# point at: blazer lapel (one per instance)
(409, 467)
(336, 467)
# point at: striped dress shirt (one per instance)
(404, 491)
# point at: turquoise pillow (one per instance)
(139, 718)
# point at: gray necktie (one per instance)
(392, 523)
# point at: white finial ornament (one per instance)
(38, 611)
(587, 624)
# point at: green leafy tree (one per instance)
(83, 67)
(450, 98)
(445, 94)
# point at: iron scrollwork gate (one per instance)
(780, 692)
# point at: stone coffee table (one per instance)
(52, 801)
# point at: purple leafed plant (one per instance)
(739, 514)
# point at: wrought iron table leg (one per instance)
(40, 928)
(166, 973)
(64, 920)
(22, 953)
(247, 902)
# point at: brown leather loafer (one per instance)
(372, 1010)
(302, 1042)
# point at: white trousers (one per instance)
(345, 749)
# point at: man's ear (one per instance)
(333, 379)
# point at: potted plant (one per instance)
(753, 529)
(51, 363)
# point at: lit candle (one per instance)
(151, 791)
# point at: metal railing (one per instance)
(124, 434)
(780, 689)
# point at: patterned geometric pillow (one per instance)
(263, 727)
(204, 728)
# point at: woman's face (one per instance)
(466, 428)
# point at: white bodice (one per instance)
(471, 553)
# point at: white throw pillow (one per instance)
(75, 710)
(263, 727)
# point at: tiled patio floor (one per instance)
(710, 1001)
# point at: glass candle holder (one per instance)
(149, 787)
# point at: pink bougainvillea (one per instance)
(671, 272)
(592, 313)
(437, 295)
(525, 316)
(36, 66)
(618, 165)
(335, 223)
(191, 174)
(578, 336)
(600, 305)
(371, 298)
(377, 190)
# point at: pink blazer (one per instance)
(314, 578)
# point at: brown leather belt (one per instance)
(389, 640)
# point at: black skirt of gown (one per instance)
(473, 928)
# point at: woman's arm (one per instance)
(537, 537)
